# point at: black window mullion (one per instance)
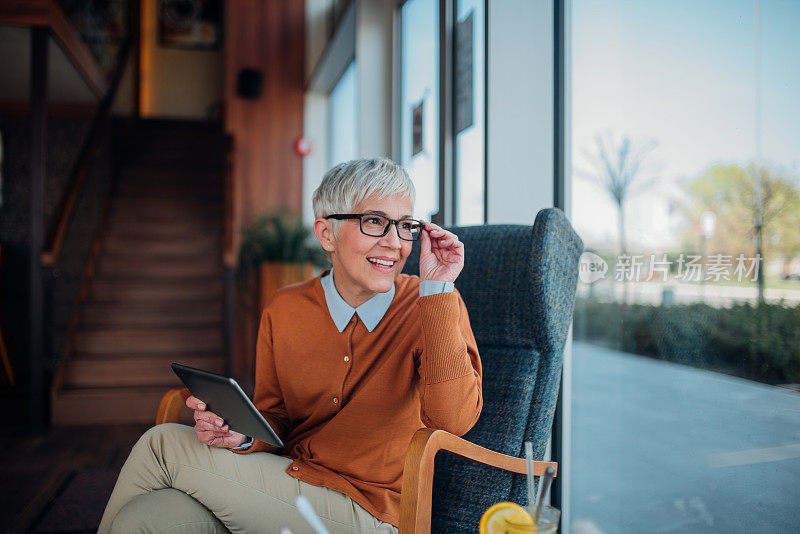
(445, 216)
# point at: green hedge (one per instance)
(755, 342)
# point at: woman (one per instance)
(349, 365)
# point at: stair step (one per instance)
(170, 209)
(122, 266)
(182, 141)
(125, 219)
(152, 314)
(110, 290)
(163, 247)
(170, 138)
(184, 164)
(99, 406)
(153, 261)
(146, 200)
(131, 191)
(179, 228)
(157, 175)
(146, 340)
(162, 231)
(167, 256)
(134, 370)
(178, 131)
(203, 149)
(186, 214)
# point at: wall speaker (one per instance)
(248, 83)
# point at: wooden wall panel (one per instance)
(270, 36)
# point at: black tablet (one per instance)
(223, 396)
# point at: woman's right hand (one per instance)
(210, 428)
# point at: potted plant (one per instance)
(281, 250)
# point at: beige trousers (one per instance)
(172, 482)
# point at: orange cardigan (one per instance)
(347, 422)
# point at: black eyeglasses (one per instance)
(375, 225)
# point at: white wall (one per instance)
(374, 23)
(315, 116)
(177, 82)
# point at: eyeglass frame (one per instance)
(395, 222)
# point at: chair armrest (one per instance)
(415, 501)
(169, 410)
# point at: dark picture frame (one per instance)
(190, 24)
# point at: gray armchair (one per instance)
(518, 284)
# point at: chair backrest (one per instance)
(518, 284)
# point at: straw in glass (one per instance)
(531, 491)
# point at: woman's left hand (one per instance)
(441, 256)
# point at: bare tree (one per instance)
(617, 167)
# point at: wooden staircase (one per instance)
(156, 292)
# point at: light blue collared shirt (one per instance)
(371, 312)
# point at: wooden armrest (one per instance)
(169, 410)
(415, 503)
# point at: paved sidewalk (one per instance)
(664, 448)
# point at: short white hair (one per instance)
(348, 184)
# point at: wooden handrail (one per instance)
(231, 206)
(45, 13)
(58, 226)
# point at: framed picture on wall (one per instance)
(190, 23)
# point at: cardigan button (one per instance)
(347, 358)
(336, 400)
(294, 468)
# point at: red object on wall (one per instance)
(303, 146)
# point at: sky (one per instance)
(681, 73)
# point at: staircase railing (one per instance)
(61, 221)
(58, 227)
(46, 14)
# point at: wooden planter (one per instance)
(274, 276)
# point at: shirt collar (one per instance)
(371, 312)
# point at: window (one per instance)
(679, 421)
(469, 112)
(419, 101)
(344, 117)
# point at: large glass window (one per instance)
(343, 104)
(419, 101)
(469, 112)
(686, 191)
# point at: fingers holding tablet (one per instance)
(210, 428)
(232, 408)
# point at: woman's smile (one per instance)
(382, 264)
